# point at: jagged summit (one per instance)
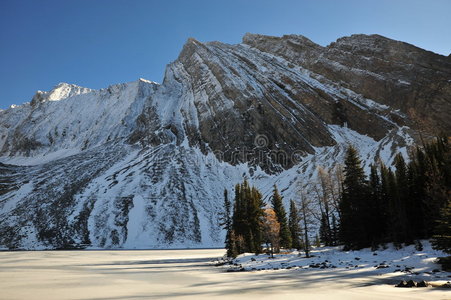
(59, 92)
(252, 38)
(147, 81)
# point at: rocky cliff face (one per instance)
(144, 165)
(405, 78)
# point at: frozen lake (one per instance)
(180, 274)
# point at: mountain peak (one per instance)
(252, 38)
(146, 81)
(61, 91)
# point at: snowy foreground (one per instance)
(192, 274)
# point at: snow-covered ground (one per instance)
(388, 264)
(191, 274)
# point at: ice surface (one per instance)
(182, 274)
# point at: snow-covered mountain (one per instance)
(144, 165)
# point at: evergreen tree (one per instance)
(416, 199)
(231, 246)
(401, 199)
(324, 232)
(390, 196)
(256, 215)
(354, 206)
(438, 174)
(285, 236)
(226, 222)
(247, 220)
(400, 206)
(238, 220)
(293, 224)
(441, 240)
(376, 221)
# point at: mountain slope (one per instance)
(143, 165)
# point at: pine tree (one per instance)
(389, 192)
(232, 250)
(324, 231)
(438, 173)
(247, 220)
(416, 199)
(354, 206)
(402, 194)
(226, 222)
(376, 220)
(285, 236)
(293, 224)
(441, 240)
(256, 215)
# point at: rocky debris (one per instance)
(407, 284)
(403, 283)
(382, 266)
(412, 283)
(323, 265)
(236, 270)
(422, 283)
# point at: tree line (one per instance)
(400, 205)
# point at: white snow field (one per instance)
(184, 274)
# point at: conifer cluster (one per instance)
(250, 225)
(403, 205)
(398, 206)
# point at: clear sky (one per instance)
(95, 43)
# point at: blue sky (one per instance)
(95, 43)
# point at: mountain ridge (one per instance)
(144, 165)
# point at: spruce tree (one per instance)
(324, 232)
(354, 206)
(226, 222)
(438, 173)
(247, 220)
(416, 200)
(232, 251)
(402, 196)
(441, 239)
(395, 222)
(285, 236)
(376, 221)
(293, 224)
